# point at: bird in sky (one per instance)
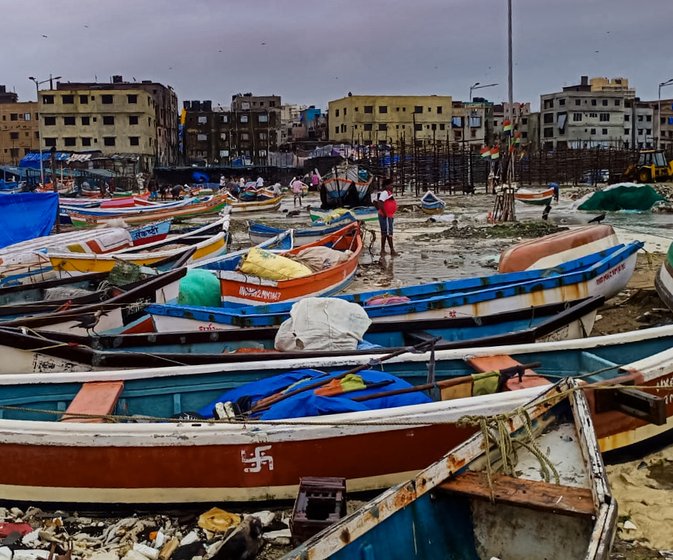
(44, 36)
(263, 44)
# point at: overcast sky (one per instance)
(311, 51)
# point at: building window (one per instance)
(604, 131)
(336, 129)
(345, 111)
(13, 135)
(49, 121)
(593, 102)
(261, 153)
(47, 99)
(442, 126)
(202, 119)
(548, 104)
(68, 100)
(201, 137)
(457, 122)
(592, 131)
(69, 121)
(224, 153)
(336, 113)
(640, 132)
(26, 116)
(578, 102)
(475, 122)
(627, 131)
(369, 108)
(577, 117)
(418, 127)
(86, 121)
(433, 126)
(109, 140)
(70, 141)
(86, 141)
(548, 118)
(224, 118)
(244, 118)
(106, 100)
(605, 102)
(263, 118)
(439, 110)
(605, 117)
(134, 140)
(367, 126)
(223, 136)
(593, 115)
(263, 136)
(561, 102)
(108, 119)
(132, 98)
(133, 119)
(50, 142)
(84, 99)
(418, 109)
(383, 109)
(383, 126)
(618, 102)
(14, 117)
(549, 132)
(648, 131)
(245, 136)
(640, 118)
(648, 118)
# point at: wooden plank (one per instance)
(533, 494)
(95, 397)
(499, 362)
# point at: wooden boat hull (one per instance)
(471, 298)
(362, 214)
(261, 232)
(559, 247)
(150, 233)
(255, 206)
(431, 204)
(539, 198)
(266, 462)
(251, 290)
(663, 282)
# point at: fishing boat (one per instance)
(247, 289)
(95, 351)
(531, 484)
(539, 197)
(118, 313)
(208, 241)
(359, 213)
(563, 246)
(141, 424)
(191, 209)
(604, 273)
(663, 282)
(345, 185)
(259, 232)
(432, 204)
(150, 233)
(28, 262)
(255, 206)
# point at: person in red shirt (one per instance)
(386, 205)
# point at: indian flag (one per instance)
(485, 151)
(517, 137)
(495, 153)
(507, 126)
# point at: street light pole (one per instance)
(39, 117)
(477, 85)
(662, 84)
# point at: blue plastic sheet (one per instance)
(26, 216)
(307, 403)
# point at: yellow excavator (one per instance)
(652, 166)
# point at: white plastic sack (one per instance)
(320, 258)
(322, 324)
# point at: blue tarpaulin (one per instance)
(307, 403)
(26, 216)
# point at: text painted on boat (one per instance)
(258, 293)
(610, 273)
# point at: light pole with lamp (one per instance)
(661, 85)
(39, 118)
(478, 85)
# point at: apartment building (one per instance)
(18, 128)
(249, 130)
(591, 113)
(128, 118)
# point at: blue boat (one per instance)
(432, 204)
(146, 417)
(548, 322)
(604, 273)
(486, 498)
(261, 232)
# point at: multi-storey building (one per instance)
(8, 96)
(471, 123)
(663, 123)
(18, 128)
(518, 113)
(591, 113)
(639, 124)
(290, 118)
(138, 118)
(245, 131)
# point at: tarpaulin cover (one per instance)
(307, 403)
(26, 216)
(624, 196)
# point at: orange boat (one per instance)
(557, 248)
(237, 287)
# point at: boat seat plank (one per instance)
(535, 494)
(95, 397)
(498, 362)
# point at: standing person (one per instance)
(315, 180)
(297, 186)
(223, 182)
(259, 183)
(386, 205)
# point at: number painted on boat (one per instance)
(257, 459)
(668, 382)
(610, 273)
(258, 293)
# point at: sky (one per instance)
(312, 51)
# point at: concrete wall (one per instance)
(18, 131)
